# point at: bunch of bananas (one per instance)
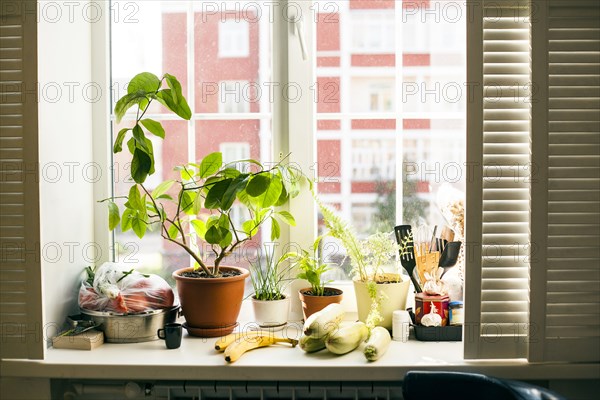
(236, 344)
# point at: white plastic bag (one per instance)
(121, 289)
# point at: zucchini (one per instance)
(346, 339)
(378, 343)
(311, 345)
(322, 323)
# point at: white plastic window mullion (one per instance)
(191, 94)
(191, 97)
(301, 125)
(345, 120)
(399, 136)
(101, 128)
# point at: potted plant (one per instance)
(312, 267)
(378, 292)
(271, 306)
(198, 207)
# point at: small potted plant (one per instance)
(271, 306)
(311, 268)
(378, 292)
(197, 208)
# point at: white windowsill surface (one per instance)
(196, 359)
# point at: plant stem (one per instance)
(165, 235)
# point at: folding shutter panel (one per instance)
(565, 281)
(20, 275)
(498, 159)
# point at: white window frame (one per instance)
(234, 38)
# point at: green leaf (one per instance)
(118, 146)
(140, 139)
(199, 227)
(210, 164)
(224, 221)
(212, 221)
(275, 229)
(213, 235)
(187, 202)
(154, 127)
(175, 86)
(128, 101)
(283, 197)
(173, 232)
(258, 185)
(250, 228)
(230, 173)
(141, 164)
(197, 203)
(214, 197)
(144, 81)
(270, 196)
(139, 226)
(126, 220)
(135, 198)
(181, 108)
(162, 188)
(245, 199)
(231, 193)
(113, 215)
(186, 174)
(227, 239)
(287, 218)
(164, 196)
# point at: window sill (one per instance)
(197, 360)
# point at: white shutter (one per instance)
(20, 275)
(498, 159)
(565, 282)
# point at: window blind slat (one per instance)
(20, 272)
(499, 197)
(565, 283)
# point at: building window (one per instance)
(373, 31)
(234, 38)
(373, 160)
(233, 151)
(234, 97)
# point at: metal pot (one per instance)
(131, 328)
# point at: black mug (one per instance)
(171, 334)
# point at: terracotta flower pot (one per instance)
(311, 304)
(211, 305)
(395, 294)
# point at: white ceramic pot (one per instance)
(271, 313)
(395, 295)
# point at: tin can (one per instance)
(457, 315)
(423, 304)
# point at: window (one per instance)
(195, 43)
(234, 97)
(375, 155)
(373, 31)
(234, 38)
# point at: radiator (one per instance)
(194, 390)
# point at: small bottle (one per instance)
(457, 315)
(400, 325)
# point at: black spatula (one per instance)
(408, 258)
(449, 256)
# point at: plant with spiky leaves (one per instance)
(208, 185)
(368, 257)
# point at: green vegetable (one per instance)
(346, 339)
(378, 343)
(311, 345)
